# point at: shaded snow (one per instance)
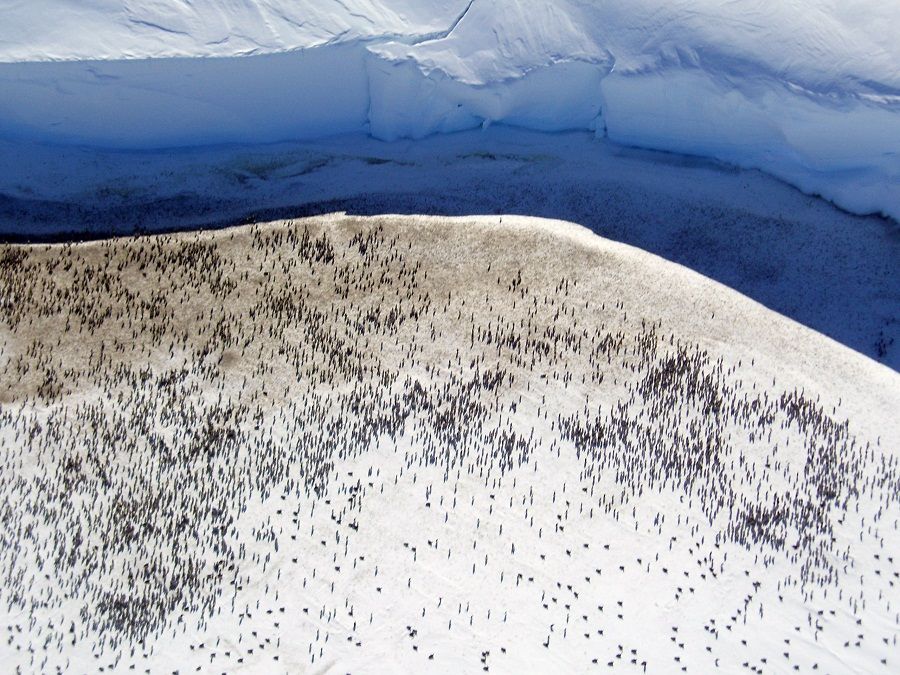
(809, 91)
(801, 257)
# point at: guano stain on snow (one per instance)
(431, 445)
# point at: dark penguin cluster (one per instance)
(203, 433)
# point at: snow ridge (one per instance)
(808, 90)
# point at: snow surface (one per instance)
(799, 256)
(807, 90)
(563, 453)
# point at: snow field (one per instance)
(433, 444)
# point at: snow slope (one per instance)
(432, 445)
(807, 90)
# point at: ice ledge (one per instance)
(537, 69)
(846, 150)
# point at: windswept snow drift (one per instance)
(807, 90)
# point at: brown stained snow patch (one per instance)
(302, 437)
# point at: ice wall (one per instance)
(151, 103)
(843, 148)
(808, 90)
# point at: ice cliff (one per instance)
(808, 90)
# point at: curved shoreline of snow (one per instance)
(795, 254)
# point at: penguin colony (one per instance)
(370, 444)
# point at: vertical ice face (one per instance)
(530, 64)
(795, 89)
(808, 90)
(844, 148)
